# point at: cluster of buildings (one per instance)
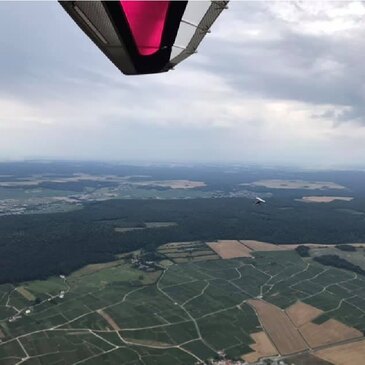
(241, 362)
(140, 263)
(228, 362)
(14, 318)
(224, 361)
(12, 207)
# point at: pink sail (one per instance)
(146, 20)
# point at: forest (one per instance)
(336, 261)
(40, 245)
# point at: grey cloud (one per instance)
(290, 68)
(49, 62)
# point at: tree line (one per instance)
(41, 245)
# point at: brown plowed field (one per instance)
(279, 328)
(262, 347)
(348, 354)
(331, 331)
(301, 313)
(229, 249)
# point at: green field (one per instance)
(113, 313)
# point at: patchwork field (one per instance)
(182, 252)
(183, 314)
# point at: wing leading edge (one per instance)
(143, 37)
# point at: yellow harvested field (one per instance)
(329, 332)
(109, 319)
(262, 347)
(324, 199)
(25, 293)
(347, 354)
(229, 249)
(279, 327)
(297, 184)
(174, 184)
(261, 246)
(301, 313)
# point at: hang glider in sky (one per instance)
(259, 201)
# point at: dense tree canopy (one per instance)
(37, 246)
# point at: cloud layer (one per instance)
(275, 82)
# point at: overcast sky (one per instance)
(275, 82)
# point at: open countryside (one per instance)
(211, 215)
(161, 266)
(185, 313)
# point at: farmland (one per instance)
(182, 313)
(180, 252)
(352, 353)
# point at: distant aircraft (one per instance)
(144, 37)
(259, 201)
